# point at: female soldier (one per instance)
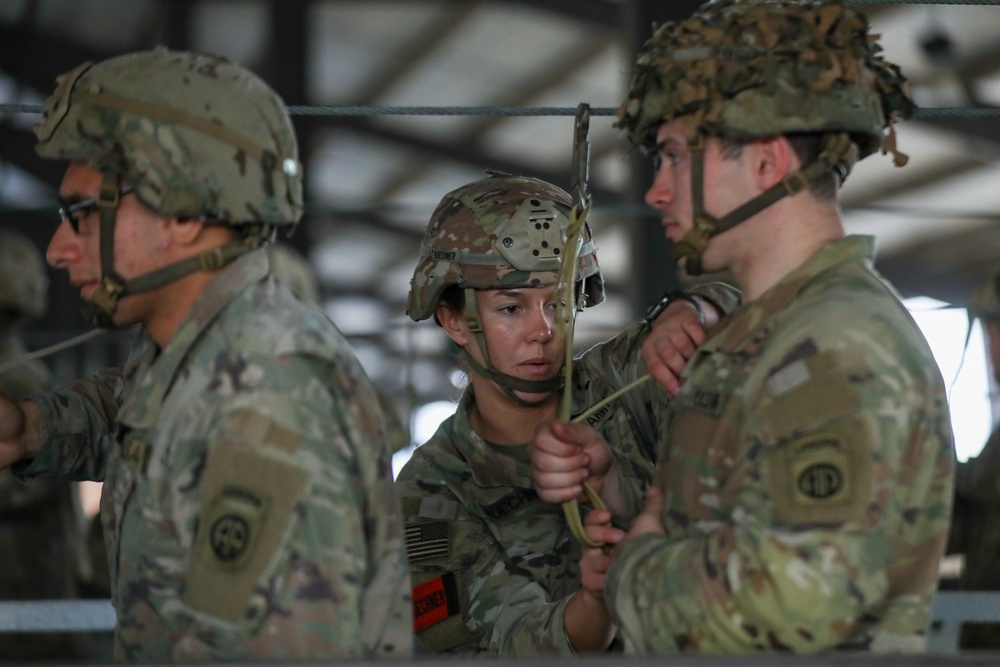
(496, 570)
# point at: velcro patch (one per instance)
(428, 539)
(434, 601)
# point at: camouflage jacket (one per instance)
(493, 566)
(808, 478)
(247, 485)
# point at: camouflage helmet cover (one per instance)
(499, 232)
(196, 135)
(24, 282)
(757, 68)
(985, 302)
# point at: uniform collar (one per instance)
(491, 465)
(155, 373)
(748, 318)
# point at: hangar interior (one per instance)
(373, 178)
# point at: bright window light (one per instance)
(423, 424)
(969, 392)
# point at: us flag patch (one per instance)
(427, 539)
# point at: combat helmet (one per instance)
(499, 232)
(195, 136)
(24, 282)
(747, 69)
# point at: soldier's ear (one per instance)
(185, 232)
(773, 160)
(453, 323)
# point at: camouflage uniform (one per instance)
(40, 545)
(246, 483)
(975, 529)
(809, 467)
(808, 478)
(477, 532)
(248, 503)
(493, 566)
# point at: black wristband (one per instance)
(667, 299)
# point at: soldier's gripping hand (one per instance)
(595, 561)
(588, 623)
(650, 519)
(675, 334)
(564, 456)
(20, 430)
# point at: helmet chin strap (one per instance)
(838, 154)
(103, 303)
(508, 383)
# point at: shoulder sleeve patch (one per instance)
(805, 394)
(248, 499)
(824, 478)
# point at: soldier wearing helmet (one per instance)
(502, 563)
(805, 501)
(248, 504)
(976, 515)
(39, 529)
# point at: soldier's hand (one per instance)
(12, 426)
(674, 337)
(594, 562)
(563, 456)
(650, 519)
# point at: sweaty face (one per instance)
(725, 184)
(519, 325)
(78, 252)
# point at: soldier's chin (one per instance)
(534, 397)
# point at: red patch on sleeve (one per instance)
(430, 604)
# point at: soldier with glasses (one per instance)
(248, 504)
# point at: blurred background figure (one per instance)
(40, 522)
(975, 529)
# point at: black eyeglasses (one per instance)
(68, 212)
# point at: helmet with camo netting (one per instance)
(499, 232)
(24, 282)
(759, 68)
(750, 69)
(194, 136)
